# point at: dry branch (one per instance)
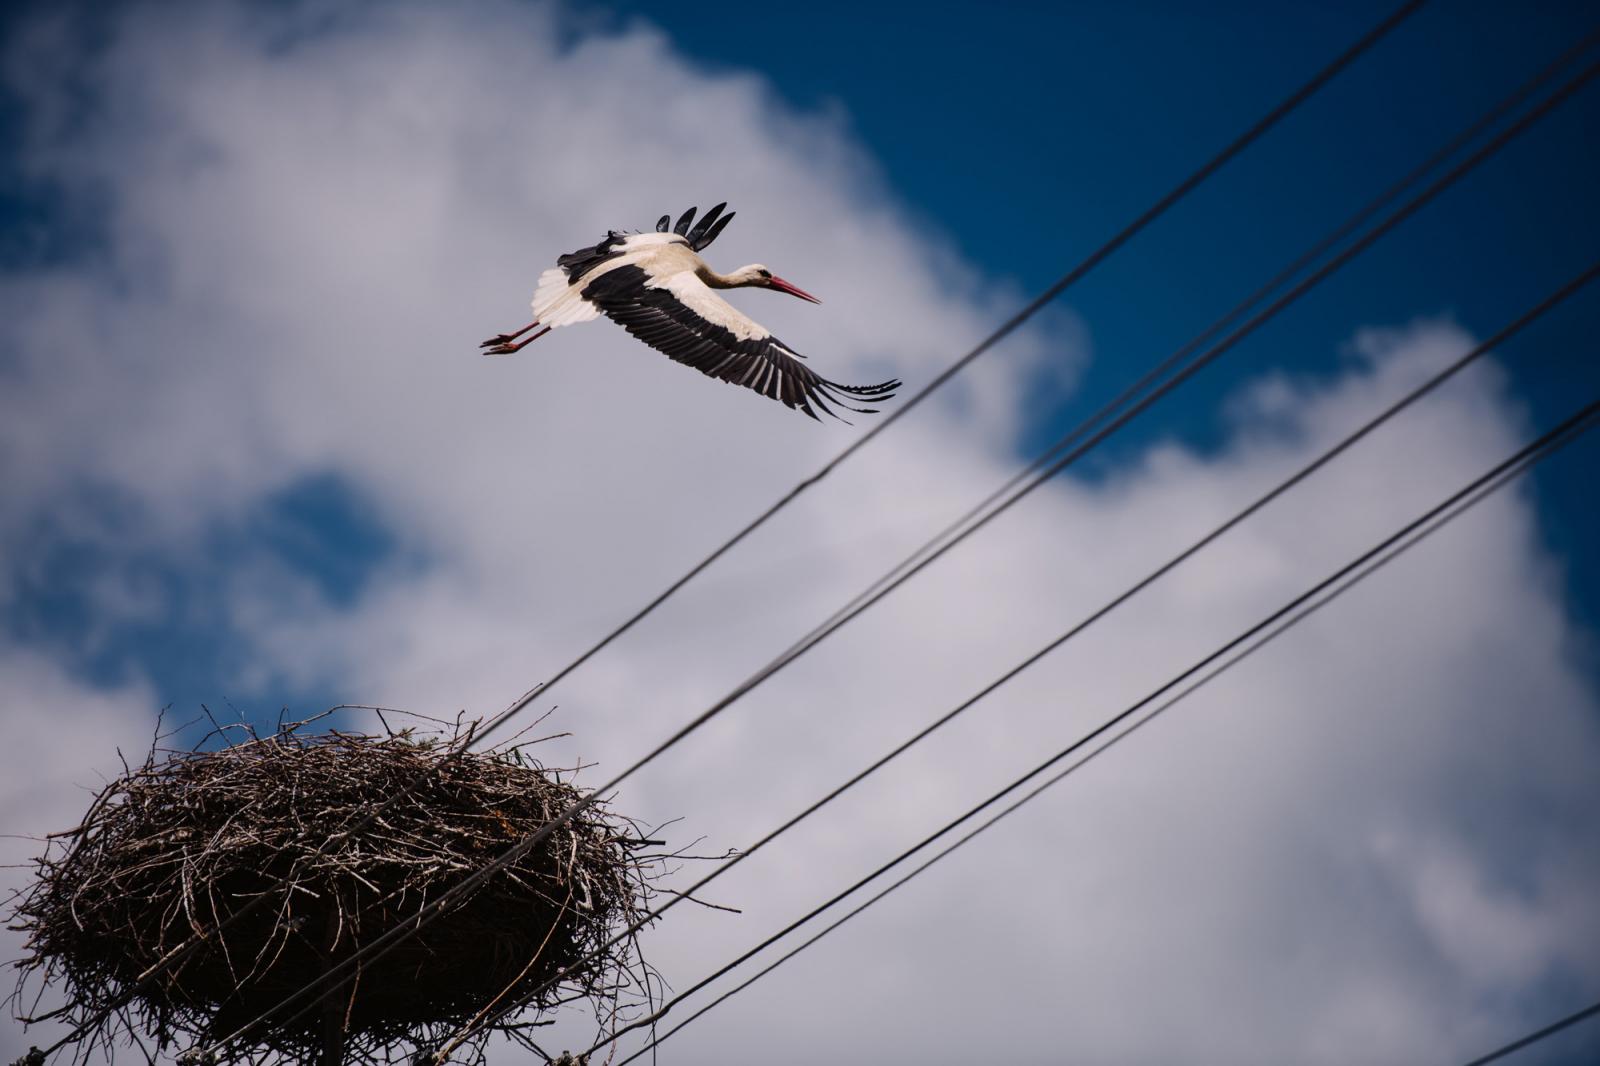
(172, 850)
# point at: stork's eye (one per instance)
(766, 273)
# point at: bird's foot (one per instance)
(505, 344)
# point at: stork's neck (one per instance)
(747, 275)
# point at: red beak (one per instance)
(778, 283)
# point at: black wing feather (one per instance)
(713, 233)
(704, 224)
(657, 317)
(708, 229)
(577, 264)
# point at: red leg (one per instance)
(507, 338)
(506, 347)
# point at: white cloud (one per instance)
(1342, 853)
(62, 743)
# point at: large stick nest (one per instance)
(171, 854)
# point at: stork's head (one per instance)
(759, 276)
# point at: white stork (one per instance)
(656, 286)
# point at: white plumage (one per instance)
(556, 302)
(656, 286)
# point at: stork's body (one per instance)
(656, 286)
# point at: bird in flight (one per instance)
(656, 286)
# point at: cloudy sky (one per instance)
(251, 459)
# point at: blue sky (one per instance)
(978, 127)
(981, 125)
(255, 462)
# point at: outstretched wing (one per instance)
(684, 318)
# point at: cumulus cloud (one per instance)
(48, 772)
(1367, 844)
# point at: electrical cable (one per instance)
(1343, 445)
(1273, 625)
(1344, 229)
(1531, 1038)
(1155, 373)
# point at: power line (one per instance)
(1113, 741)
(1344, 229)
(1310, 609)
(1426, 387)
(1365, 241)
(1532, 1038)
(1272, 626)
(1197, 364)
(1155, 373)
(379, 947)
